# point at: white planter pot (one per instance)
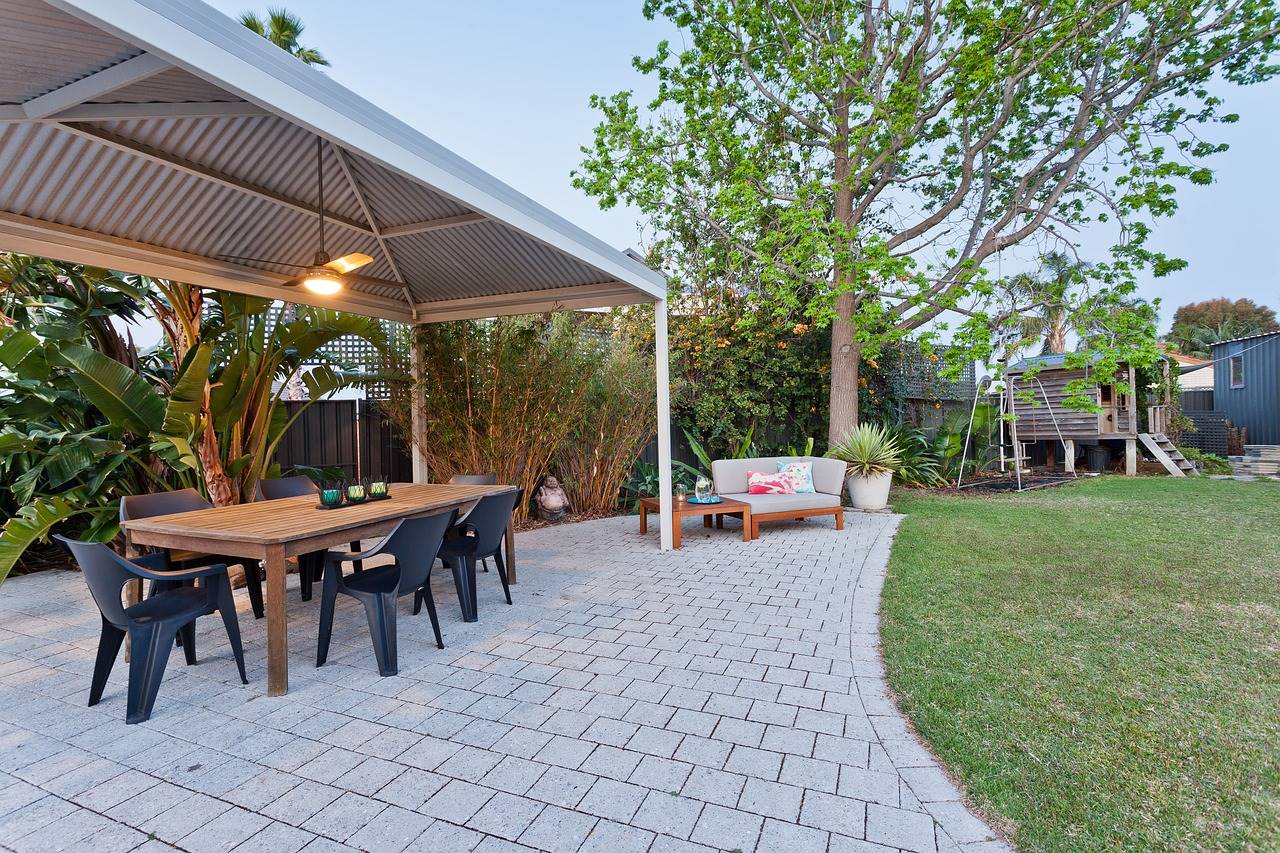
(870, 492)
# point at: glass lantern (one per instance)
(679, 493)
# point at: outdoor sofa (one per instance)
(730, 479)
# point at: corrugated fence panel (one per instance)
(355, 436)
(1199, 400)
(382, 452)
(324, 435)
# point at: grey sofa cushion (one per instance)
(730, 475)
(787, 503)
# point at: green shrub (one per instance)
(1210, 463)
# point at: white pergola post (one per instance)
(417, 403)
(664, 424)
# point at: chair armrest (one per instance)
(181, 575)
(341, 556)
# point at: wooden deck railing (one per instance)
(1158, 419)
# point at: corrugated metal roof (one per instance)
(1246, 338)
(212, 154)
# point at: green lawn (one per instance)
(1098, 663)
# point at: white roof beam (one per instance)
(164, 158)
(53, 240)
(164, 109)
(603, 295)
(94, 86)
(433, 225)
(373, 223)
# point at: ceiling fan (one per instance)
(323, 276)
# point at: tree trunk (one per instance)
(844, 347)
(845, 355)
(222, 491)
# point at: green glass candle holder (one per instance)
(331, 497)
(378, 489)
(356, 493)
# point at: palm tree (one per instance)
(282, 28)
(1198, 341)
(1047, 291)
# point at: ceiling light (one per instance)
(322, 281)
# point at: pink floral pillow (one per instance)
(759, 483)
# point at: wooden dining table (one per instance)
(271, 531)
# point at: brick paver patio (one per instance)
(728, 696)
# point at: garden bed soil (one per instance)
(1000, 485)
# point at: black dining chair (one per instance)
(310, 566)
(133, 507)
(154, 623)
(481, 534)
(474, 480)
(412, 543)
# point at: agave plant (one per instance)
(870, 451)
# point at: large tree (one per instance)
(859, 162)
(1244, 313)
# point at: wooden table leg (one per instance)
(675, 531)
(511, 553)
(132, 589)
(644, 519)
(277, 623)
(719, 521)
(747, 533)
(706, 521)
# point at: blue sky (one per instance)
(505, 84)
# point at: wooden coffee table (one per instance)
(684, 509)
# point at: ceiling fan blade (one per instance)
(293, 282)
(347, 263)
(261, 261)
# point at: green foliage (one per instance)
(618, 418)
(30, 524)
(250, 359)
(1199, 325)
(859, 165)
(85, 420)
(949, 441)
(283, 29)
(1210, 463)
(917, 463)
(740, 374)
(525, 396)
(870, 449)
(80, 426)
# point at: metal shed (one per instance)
(1246, 385)
(161, 137)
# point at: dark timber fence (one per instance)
(354, 435)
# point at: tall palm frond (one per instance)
(283, 29)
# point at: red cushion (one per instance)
(760, 483)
